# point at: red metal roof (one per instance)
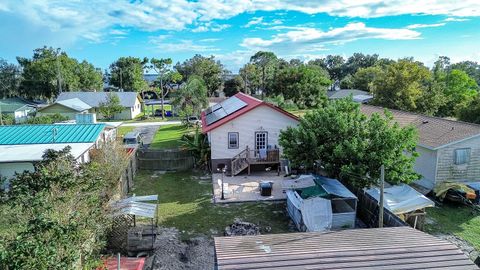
(252, 103)
(126, 263)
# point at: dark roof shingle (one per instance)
(433, 132)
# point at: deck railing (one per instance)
(259, 156)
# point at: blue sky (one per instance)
(102, 30)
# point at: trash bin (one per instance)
(266, 188)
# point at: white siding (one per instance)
(8, 170)
(262, 118)
(426, 165)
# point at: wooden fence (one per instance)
(368, 211)
(126, 179)
(171, 159)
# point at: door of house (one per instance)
(261, 140)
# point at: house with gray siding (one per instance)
(449, 150)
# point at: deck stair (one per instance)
(248, 157)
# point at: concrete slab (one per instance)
(245, 188)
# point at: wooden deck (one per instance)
(248, 157)
(361, 249)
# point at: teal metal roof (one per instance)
(41, 134)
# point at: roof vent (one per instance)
(54, 134)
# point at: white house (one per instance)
(131, 101)
(449, 150)
(244, 131)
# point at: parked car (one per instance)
(193, 120)
(132, 139)
(158, 112)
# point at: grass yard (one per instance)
(459, 220)
(168, 136)
(122, 130)
(185, 203)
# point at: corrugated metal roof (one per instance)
(41, 134)
(360, 249)
(74, 103)
(127, 99)
(34, 152)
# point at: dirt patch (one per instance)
(196, 253)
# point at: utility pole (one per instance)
(59, 76)
(382, 182)
(1, 116)
(121, 83)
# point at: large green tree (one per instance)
(351, 146)
(305, 85)
(459, 91)
(9, 79)
(470, 67)
(127, 73)
(51, 71)
(111, 106)
(471, 113)
(162, 67)
(251, 78)
(266, 62)
(406, 85)
(233, 86)
(207, 68)
(192, 97)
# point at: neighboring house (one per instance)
(449, 150)
(244, 131)
(68, 108)
(19, 108)
(131, 101)
(21, 146)
(357, 95)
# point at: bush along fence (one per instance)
(171, 159)
(126, 179)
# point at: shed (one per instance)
(326, 205)
(391, 248)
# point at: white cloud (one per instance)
(312, 39)
(254, 21)
(456, 19)
(208, 40)
(421, 25)
(93, 19)
(210, 27)
(166, 44)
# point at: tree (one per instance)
(127, 73)
(334, 64)
(363, 78)
(51, 71)
(207, 68)
(197, 144)
(111, 106)
(470, 67)
(90, 78)
(407, 85)
(459, 91)
(9, 79)
(350, 146)
(191, 98)
(162, 68)
(251, 78)
(347, 82)
(265, 61)
(359, 60)
(305, 85)
(233, 86)
(471, 113)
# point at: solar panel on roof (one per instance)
(234, 105)
(223, 109)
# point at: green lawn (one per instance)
(168, 136)
(459, 220)
(122, 130)
(185, 203)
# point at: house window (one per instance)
(462, 156)
(233, 140)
